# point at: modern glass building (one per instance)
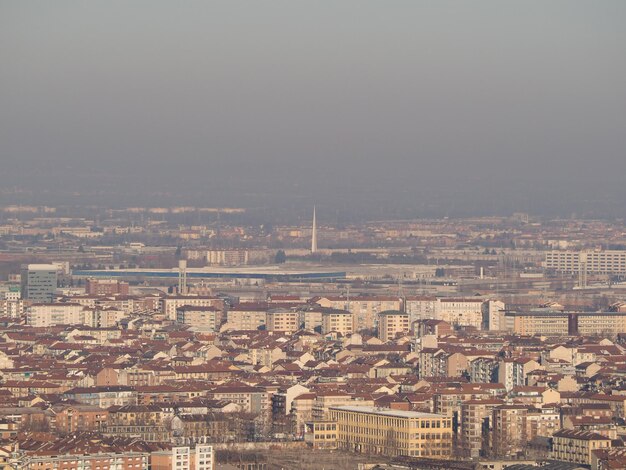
(39, 281)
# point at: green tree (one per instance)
(280, 257)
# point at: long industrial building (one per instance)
(591, 261)
(568, 323)
(203, 273)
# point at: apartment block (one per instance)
(169, 305)
(591, 261)
(392, 432)
(227, 257)
(476, 426)
(199, 318)
(44, 315)
(339, 321)
(541, 323)
(391, 324)
(364, 308)
(285, 320)
(106, 287)
(246, 316)
(202, 457)
(577, 446)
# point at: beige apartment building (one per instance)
(392, 432)
(169, 305)
(569, 323)
(246, 316)
(577, 446)
(391, 324)
(462, 312)
(509, 436)
(364, 308)
(420, 307)
(324, 401)
(201, 457)
(600, 324)
(44, 315)
(541, 323)
(284, 320)
(199, 318)
(102, 317)
(476, 415)
(339, 321)
(227, 257)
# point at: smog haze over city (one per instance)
(408, 108)
(308, 235)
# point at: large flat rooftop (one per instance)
(272, 272)
(386, 412)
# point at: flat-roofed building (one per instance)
(364, 308)
(392, 432)
(106, 287)
(509, 436)
(227, 257)
(128, 460)
(321, 434)
(199, 318)
(462, 312)
(600, 323)
(283, 319)
(339, 321)
(420, 307)
(476, 425)
(170, 304)
(592, 261)
(541, 323)
(552, 323)
(391, 323)
(39, 282)
(200, 457)
(43, 315)
(246, 316)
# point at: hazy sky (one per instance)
(482, 101)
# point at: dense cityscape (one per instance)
(312, 235)
(189, 337)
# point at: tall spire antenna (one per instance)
(314, 234)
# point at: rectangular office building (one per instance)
(39, 282)
(390, 432)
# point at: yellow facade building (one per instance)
(392, 432)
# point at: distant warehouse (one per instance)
(267, 274)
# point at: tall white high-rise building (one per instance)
(39, 282)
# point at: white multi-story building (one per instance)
(227, 257)
(463, 312)
(199, 318)
(364, 308)
(169, 305)
(420, 307)
(44, 315)
(201, 457)
(594, 261)
(476, 312)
